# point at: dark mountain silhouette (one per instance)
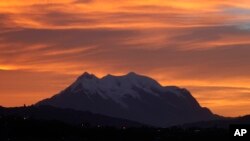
(54, 124)
(223, 122)
(133, 97)
(68, 116)
(14, 128)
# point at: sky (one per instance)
(200, 45)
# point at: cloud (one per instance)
(179, 43)
(25, 87)
(145, 48)
(223, 99)
(83, 1)
(112, 14)
(30, 48)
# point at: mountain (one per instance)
(67, 116)
(132, 96)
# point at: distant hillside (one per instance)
(68, 116)
(220, 123)
(40, 123)
(18, 128)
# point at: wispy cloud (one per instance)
(182, 42)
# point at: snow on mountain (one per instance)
(115, 87)
(132, 96)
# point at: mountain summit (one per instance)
(132, 96)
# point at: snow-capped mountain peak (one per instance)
(132, 96)
(87, 75)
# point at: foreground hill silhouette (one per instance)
(45, 123)
(133, 97)
(222, 122)
(68, 116)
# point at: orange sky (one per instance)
(198, 44)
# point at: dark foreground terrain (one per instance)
(19, 129)
(53, 124)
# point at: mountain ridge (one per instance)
(68, 116)
(131, 96)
